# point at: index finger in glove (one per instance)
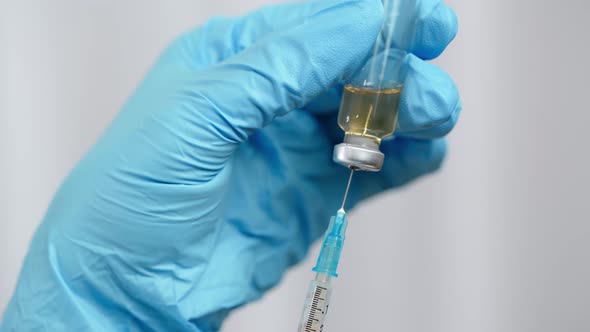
(221, 38)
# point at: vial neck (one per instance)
(362, 141)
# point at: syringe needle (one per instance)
(347, 189)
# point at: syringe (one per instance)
(317, 300)
(368, 114)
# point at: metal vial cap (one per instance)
(360, 153)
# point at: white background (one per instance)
(499, 240)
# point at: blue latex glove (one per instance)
(216, 177)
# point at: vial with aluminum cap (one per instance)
(371, 98)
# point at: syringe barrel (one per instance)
(369, 107)
(317, 301)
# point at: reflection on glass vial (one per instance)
(369, 112)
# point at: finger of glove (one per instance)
(284, 71)
(221, 38)
(407, 159)
(436, 27)
(430, 104)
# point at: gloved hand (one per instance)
(216, 176)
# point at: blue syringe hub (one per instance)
(332, 246)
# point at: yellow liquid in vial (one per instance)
(369, 112)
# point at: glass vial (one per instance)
(371, 98)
